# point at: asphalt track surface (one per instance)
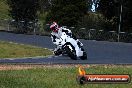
(99, 52)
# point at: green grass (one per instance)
(59, 77)
(14, 50)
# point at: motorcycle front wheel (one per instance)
(71, 53)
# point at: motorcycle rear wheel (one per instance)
(84, 57)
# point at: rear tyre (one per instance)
(84, 57)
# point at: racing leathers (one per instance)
(57, 37)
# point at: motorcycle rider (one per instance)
(56, 36)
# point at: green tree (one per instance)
(25, 10)
(45, 5)
(67, 12)
(107, 8)
(111, 9)
(127, 16)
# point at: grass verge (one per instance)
(14, 50)
(59, 76)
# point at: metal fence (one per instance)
(101, 35)
(20, 26)
(89, 34)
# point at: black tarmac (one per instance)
(99, 52)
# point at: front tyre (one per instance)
(58, 52)
(71, 53)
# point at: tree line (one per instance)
(75, 13)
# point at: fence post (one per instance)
(90, 33)
(34, 29)
(120, 22)
(84, 34)
(6, 21)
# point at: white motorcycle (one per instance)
(70, 47)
